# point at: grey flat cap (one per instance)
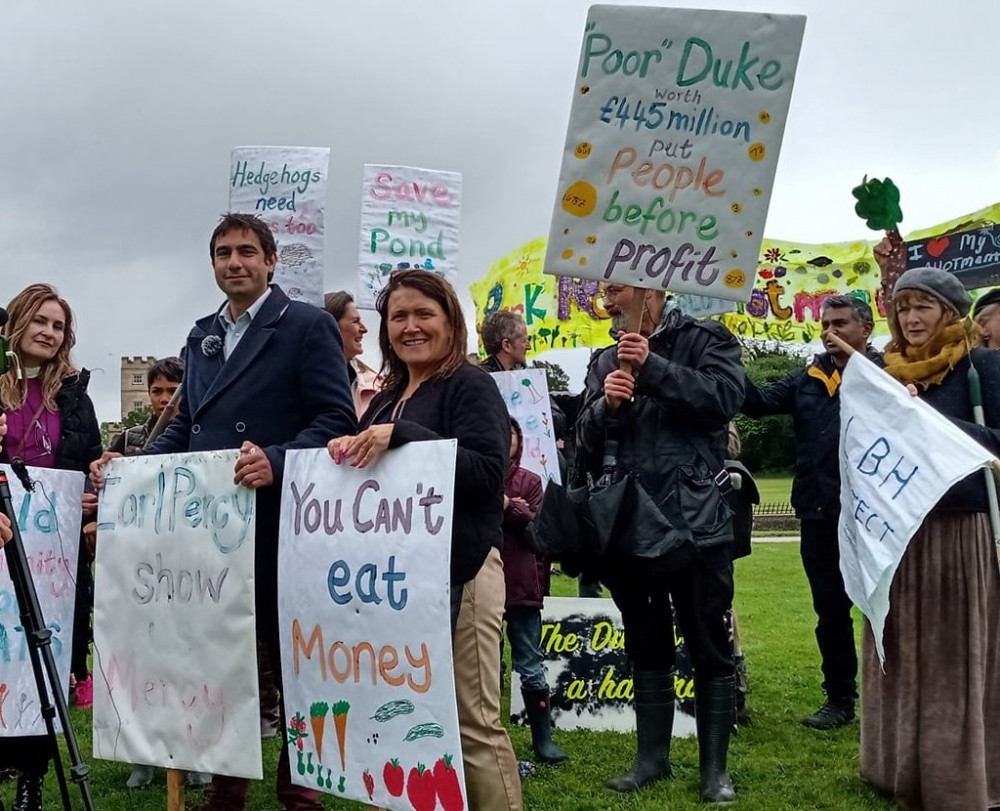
(940, 284)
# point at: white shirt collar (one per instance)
(248, 315)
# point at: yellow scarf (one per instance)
(929, 364)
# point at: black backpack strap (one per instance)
(715, 463)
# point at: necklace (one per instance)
(29, 435)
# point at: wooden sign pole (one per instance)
(635, 313)
(175, 789)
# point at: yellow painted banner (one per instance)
(561, 312)
(793, 280)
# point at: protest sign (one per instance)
(175, 642)
(364, 613)
(972, 255)
(792, 281)
(560, 312)
(672, 145)
(583, 646)
(49, 521)
(795, 278)
(526, 395)
(892, 473)
(409, 219)
(286, 187)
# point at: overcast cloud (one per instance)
(118, 119)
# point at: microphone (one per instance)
(21, 471)
(5, 352)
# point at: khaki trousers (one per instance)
(491, 775)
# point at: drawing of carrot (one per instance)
(317, 717)
(340, 727)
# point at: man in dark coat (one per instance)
(812, 397)
(666, 424)
(266, 375)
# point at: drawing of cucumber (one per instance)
(391, 709)
(429, 730)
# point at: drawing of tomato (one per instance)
(420, 788)
(369, 783)
(449, 792)
(392, 776)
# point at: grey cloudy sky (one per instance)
(118, 118)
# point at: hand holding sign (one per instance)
(253, 468)
(365, 447)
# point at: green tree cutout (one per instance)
(878, 205)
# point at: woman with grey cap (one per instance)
(930, 724)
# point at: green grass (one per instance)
(776, 763)
(774, 488)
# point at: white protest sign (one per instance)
(891, 477)
(365, 628)
(286, 187)
(526, 394)
(409, 219)
(175, 642)
(49, 521)
(671, 149)
(589, 677)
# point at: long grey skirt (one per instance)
(930, 724)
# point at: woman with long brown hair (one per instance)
(930, 721)
(430, 391)
(50, 423)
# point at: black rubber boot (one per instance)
(654, 723)
(714, 706)
(536, 704)
(29, 792)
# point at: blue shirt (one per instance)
(236, 329)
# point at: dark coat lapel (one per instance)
(200, 375)
(258, 334)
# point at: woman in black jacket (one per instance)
(50, 423)
(430, 391)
